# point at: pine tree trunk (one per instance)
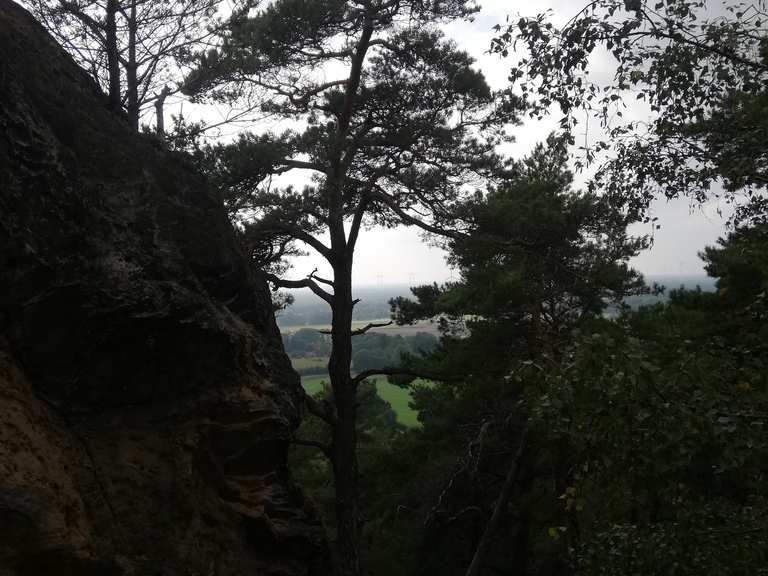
(131, 71)
(534, 334)
(344, 433)
(484, 546)
(159, 111)
(113, 61)
(344, 445)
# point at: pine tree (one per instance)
(131, 48)
(395, 123)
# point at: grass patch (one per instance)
(397, 397)
(311, 362)
(313, 384)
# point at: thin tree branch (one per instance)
(308, 239)
(320, 409)
(357, 220)
(72, 8)
(303, 98)
(362, 330)
(370, 325)
(474, 451)
(475, 568)
(353, 82)
(463, 512)
(303, 165)
(304, 283)
(324, 448)
(325, 281)
(412, 220)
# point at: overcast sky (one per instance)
(399, 256)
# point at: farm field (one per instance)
(397, 397)
(310, 362)
(313, 384)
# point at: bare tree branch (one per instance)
(370, 325)
(305, 283)
(470, 459)
(362, 330)
(314, 276)
(324, 448)
(303, 165)
(475, 568)
(307, 238)
(320, 409)
(357, 220)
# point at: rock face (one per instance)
(145, 400)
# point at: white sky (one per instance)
(399, 256)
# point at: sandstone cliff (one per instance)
(145, 400)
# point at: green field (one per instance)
(397, 397)
(312, 362)
(313, 384)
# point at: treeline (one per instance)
(370, 350)
(309, 310)
(317, 313)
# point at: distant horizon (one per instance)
(668, 280)
(419, 283)
(397, 284)
(690, 275)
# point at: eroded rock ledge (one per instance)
(145, 400)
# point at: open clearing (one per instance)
(397, 397)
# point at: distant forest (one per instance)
(309, 310)
(372, 350)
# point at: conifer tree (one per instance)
(131, 48)
(393, 124)
(682, 112)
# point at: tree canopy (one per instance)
(539, 258)
(402, 126)
(696, 69)
(131, 48)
